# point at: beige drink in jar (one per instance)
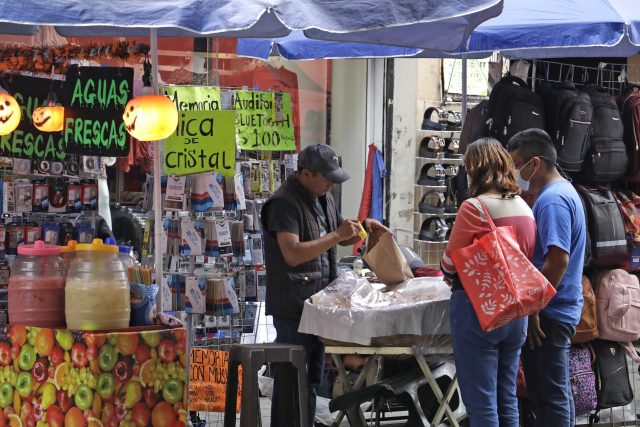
(97, 289)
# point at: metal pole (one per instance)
(157, 179)
(463, 107)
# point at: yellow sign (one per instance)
(194, 98)
(208, 373)
(264, 121)
(203, 141)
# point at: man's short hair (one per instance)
(534, 143)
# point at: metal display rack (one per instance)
(430, 252)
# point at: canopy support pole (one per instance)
(157, 180)
(463, 107)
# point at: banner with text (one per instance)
(204, 141)
(193, 98)
(264, 121)
(208, 373)
(26, 141)
(94, 103)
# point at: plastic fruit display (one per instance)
(64, 378)
(6, 394)
(27, 357)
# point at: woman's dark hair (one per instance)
(489, 167)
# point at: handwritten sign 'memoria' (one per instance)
(208, 374)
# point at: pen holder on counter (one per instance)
(143, 304)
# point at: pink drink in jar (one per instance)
(36, 287)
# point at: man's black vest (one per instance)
(288, 287)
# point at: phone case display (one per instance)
(437, 162)
(214, 246)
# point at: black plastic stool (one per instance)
(252, 357)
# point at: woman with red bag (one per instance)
(487, 362)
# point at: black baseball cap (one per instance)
(321, 158)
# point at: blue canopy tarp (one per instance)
(297, 46)
(567, 28)
(436, 24)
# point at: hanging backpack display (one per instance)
(605, 225)
(568, 115)
(613, 386)
(618, 308)
(512, 108)
(583, 380)
(630, 110)
(606, 159)
(475, 125)
(587, 329)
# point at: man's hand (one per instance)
(535, 334)
(347, 230)
(373, 226)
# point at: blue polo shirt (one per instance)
(560, 222)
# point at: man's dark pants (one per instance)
(546, 371)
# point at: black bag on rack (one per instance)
(512, 108)
(475, 125)
(613, 386)
(630, 109)
(568, 115)
(606, 160)
(605, 227)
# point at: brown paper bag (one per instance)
(385, 259)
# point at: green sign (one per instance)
(193, 98)
(94, 100)
(27, 141)
(204, 141)
(264, 121)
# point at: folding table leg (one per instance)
(436, 390)
(337, 359)
(447, 398)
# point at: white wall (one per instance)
(416, 86)
(349, 129)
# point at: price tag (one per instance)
(175, 189)
(167, 298)
(215, 190)
(195, 296)
(191, 238)
(224, 233)
(242, 203)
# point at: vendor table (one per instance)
(376, 353)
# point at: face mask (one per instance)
(522, 183)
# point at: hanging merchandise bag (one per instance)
(499, 279)
(386, 260)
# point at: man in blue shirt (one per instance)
(559, 255)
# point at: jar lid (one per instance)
(69, 248)
(39, 248)
(124, 249)
(97, 246)
(110, 241)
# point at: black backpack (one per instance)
(512, 108)
(605, 225)
(630, 110)
(606, 159)
(475, 125)
(612, 385)
(568, 116)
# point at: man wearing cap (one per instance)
(302, 227)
